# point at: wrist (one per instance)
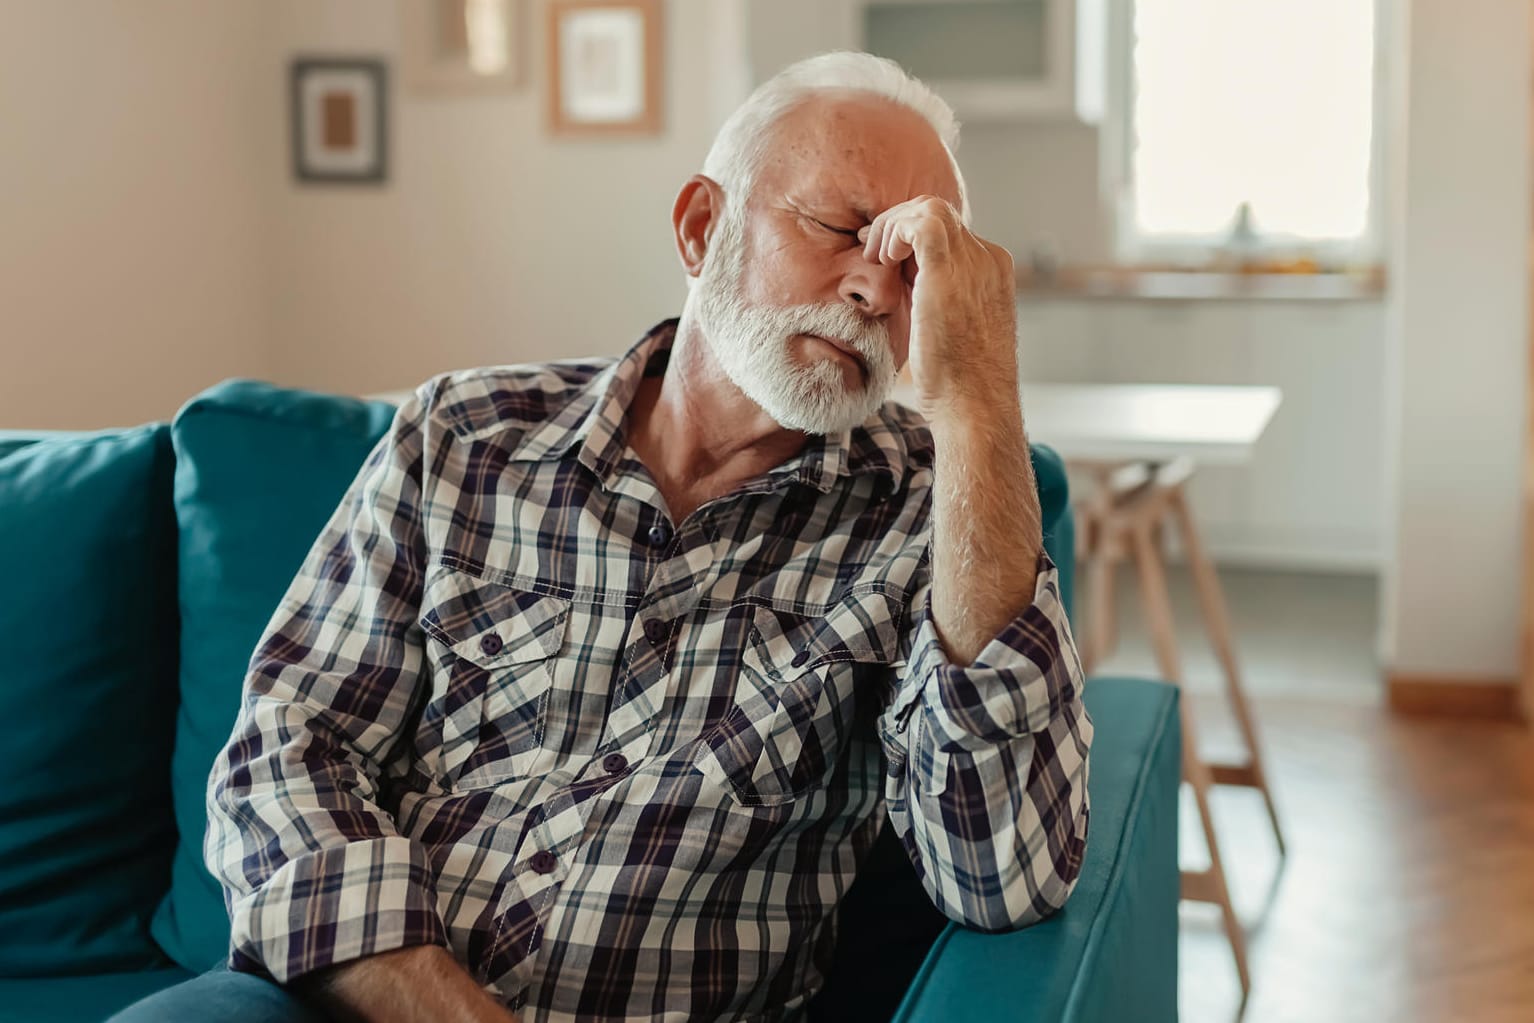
(972, 395)
(982, 447)
(989, 422)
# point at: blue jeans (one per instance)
(221, 996)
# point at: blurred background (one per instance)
(1301, 228)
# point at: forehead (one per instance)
(864, 151)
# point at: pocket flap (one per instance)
(490, 624)
(864, 628)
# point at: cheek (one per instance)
(787, 271)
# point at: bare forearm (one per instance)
(986, 528)
(986, 535)
(410, 985)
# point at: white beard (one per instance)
(751, 344)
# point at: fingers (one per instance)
(926, 228)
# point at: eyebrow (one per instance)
(857, 206)
(863, 213)
(862, 208)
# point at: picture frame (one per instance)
(604, 67)
(339, 114)
(462, 47)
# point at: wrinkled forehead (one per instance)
(863, 150)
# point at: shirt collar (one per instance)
(596, 418)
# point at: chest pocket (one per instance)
(490, 677)
(797, 698)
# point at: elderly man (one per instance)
(601, 682)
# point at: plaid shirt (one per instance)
(622, 767)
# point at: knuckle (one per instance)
(936, 205)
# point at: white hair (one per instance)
(741, 147)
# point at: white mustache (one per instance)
(870, 338)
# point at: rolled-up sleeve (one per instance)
(314, 870)
(988, 765)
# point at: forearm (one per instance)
(424, 983)
(993, 791)
(986, 528)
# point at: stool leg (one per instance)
(1209, 886)
(1217, 623)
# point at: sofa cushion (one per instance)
(259, 470)
(88, 643)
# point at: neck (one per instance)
(697, 433)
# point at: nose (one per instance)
(874, 289)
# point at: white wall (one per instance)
(1460, 340)
(1311, 497)
(132, 244)
(493, 242)
(154, 241)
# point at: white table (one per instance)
(1149, 422)
(1118, 423)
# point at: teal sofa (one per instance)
(140, 566)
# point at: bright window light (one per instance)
(1260, 102)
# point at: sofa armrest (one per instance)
(1111, 953)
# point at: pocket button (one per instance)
(799, 659)
(615, 763)
(490, 643)
(543, 862)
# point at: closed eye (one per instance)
(849, 232)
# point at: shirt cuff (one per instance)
(1019, 683)
(335, 905)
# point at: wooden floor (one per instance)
(1408, 892)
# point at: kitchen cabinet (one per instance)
(997, 59)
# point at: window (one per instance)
(1246, 109)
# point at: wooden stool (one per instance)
(1126, 517)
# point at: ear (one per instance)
(698, 206)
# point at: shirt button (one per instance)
(490, 643)
(655, 631)
(543, 862)
(799, 659)
(660, 535)
(615, 763)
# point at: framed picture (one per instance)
(462, 47)
(339, 120)
(604, 67)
